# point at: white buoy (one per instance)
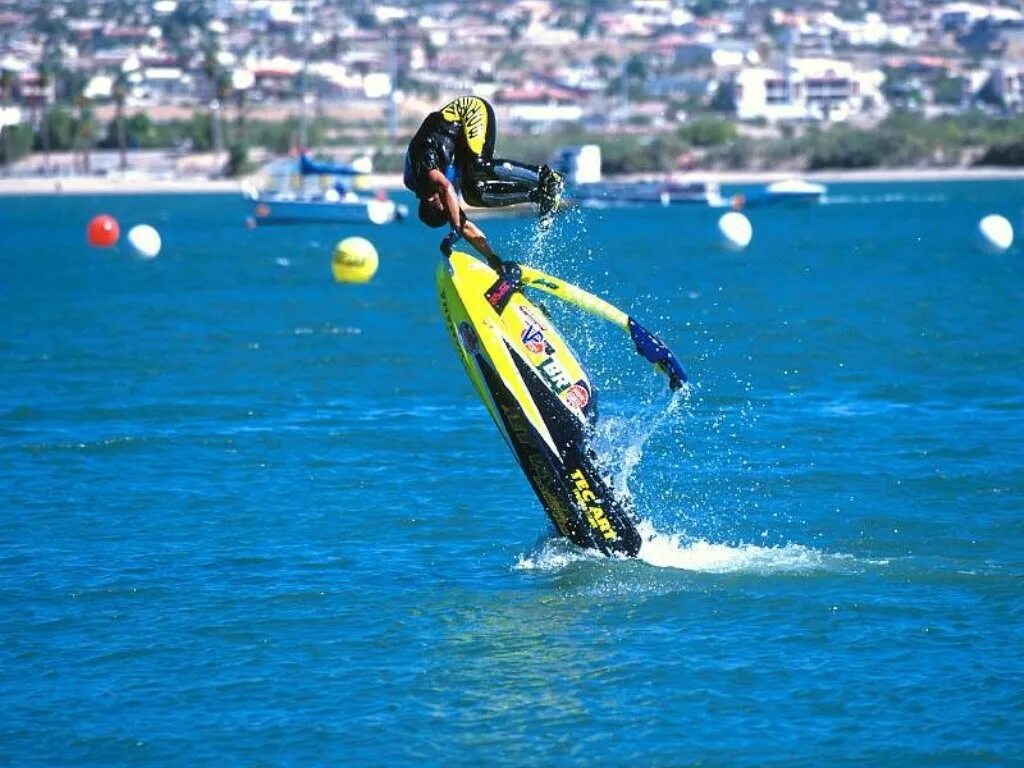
(735, 230)
(380, 211)
(995, 233)
(145, 240)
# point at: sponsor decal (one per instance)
(591, 506)
(530, 318)
(577, 396)
(533, 335)
(533, 340)
(499, 294)
(538, 468)
(469, 338)
(552, 372)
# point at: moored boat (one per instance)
(320, 192)
(787, 191)
(668, 192)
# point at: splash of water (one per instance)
(697, 465)
(619, 440)
(677, 552)
(552, 249)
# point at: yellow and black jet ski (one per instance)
(538, 393)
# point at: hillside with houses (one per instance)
(660, 84)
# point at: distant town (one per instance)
(660, 85)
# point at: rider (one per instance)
(452, 152)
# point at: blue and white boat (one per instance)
(313, 191)
(666, 192)
(787, 192)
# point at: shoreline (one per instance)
(90, 185)
(140, 184)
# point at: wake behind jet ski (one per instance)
(539, 394)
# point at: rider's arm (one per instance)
(449, 197)
(473, 234)
(476, 237)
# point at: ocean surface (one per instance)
(250, 516)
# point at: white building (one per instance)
(580, 165)
(960, 16)
(873, 31)
(535, 117)
(807, 89)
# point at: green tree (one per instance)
(604, 63)
(705, 8)
(238, 159)
(84, 127)
(199, 131)
(17, 143)
(45, 75)
(724, 99)
(708, 132)
(1010, 153)
(218, 83)
(844, 147)
(58, 129)
(949, 90)
(636, 68)
(120, 93)
(141, 131)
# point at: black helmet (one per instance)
(432, 216)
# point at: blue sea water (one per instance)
(251, 516)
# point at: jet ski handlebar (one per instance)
(647, 344)
(450, 240)
(655, 351)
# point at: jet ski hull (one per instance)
(540, 398)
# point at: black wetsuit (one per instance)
(458, 140)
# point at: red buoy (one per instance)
(103, 231)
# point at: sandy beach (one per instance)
(140, 183)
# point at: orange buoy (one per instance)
(103, 231)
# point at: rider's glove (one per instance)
(453, 237)
(511, 272)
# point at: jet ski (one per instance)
(540, 395)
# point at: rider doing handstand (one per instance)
(452, 152)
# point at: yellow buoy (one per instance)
(355, 260)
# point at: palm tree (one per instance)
(120, 93)
(45, 79)
(241, 135)
(84, 130)
(223, 91)
(219, 86)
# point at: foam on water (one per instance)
(619, 441)
(678, 552)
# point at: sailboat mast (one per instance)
(303, 82)
(393, 75)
